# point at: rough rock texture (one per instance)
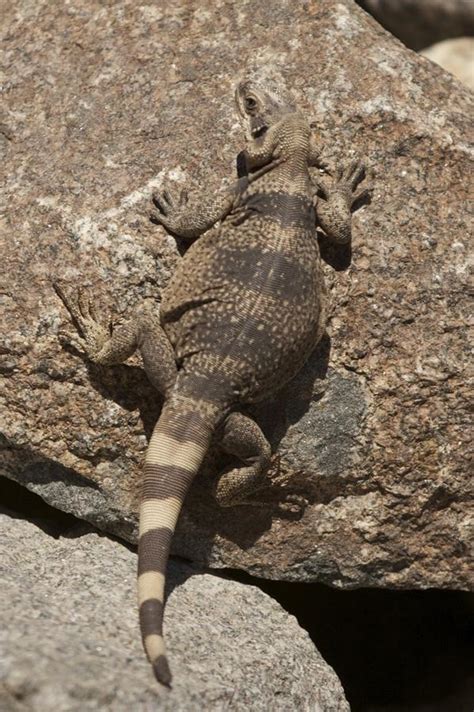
(127, 97)
(70, 638)
(456, 56)
(419, 23)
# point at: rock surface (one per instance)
(455, 56)
(70, 638)
(124, 98)
(419, 23)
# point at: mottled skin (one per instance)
(239, 317)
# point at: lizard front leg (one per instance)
(190, 218)
(337, 196)
(107, 346)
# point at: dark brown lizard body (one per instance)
(239, 317)
(253, 290)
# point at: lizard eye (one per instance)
(250, 103)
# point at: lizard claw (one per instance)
(92, 335)
(290, 502)
(362, 195)
(72, 341)
(294, 504)
(162, 201)
(162, 206)
(355, 173)
(167, 207)
(344, 181)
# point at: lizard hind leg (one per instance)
(242, 437)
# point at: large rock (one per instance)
(419, 23)
(127, 97)
(70, 640)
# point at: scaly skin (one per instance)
(239, 317)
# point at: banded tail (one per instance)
(176, 450)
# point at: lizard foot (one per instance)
(344, 181)
(289, 503)
(168, 209)
(293, 504)
(92, 335)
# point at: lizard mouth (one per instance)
(259, 131)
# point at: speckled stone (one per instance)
(100, 105)
(70, 640)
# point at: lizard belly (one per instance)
(246, 308)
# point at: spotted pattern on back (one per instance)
(246, 305)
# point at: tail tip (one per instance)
(162, 670)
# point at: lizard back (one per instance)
(246, 304)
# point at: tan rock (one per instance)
(455, 56)
(102, 104)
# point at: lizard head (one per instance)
(261, 106)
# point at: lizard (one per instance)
(243, 310)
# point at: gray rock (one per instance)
(373, 432)
(70, 640)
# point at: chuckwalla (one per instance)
(242, 312)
